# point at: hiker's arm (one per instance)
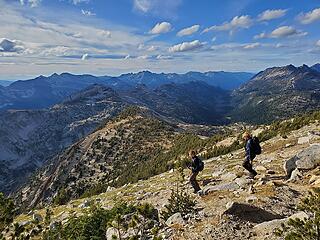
(248, 151)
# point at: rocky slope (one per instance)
(277, 93)
(233, 206)
(113, 155)
(192, 102)
(31, 137)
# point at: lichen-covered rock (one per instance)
(307, 159)
(175, 219)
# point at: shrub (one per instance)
(306, 229)
(62, 197)
(179, 201)
(7, 210)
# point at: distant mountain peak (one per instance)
(316, 67)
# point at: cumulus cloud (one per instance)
(165, 8)
(85, 56)
(87, 12)
(163, 57)
(188, 31)
(272, 14)
(160, 28)
(151, 48)
(143, 57)
(318, 43)
(284, 31)
(237, 22)
(310, 17)
(147, 48)
(75, 2)
(186, 46)
(32, 3)
(7, 45)
(252, 45)
(105, 33)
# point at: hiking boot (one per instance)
(200, 193)
(252, 175)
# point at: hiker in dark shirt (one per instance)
(195, 165)
(250, 154)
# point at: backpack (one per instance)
(201, 165)
(256, 145)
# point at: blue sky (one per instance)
(110, 37)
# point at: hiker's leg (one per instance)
(193, 181)
(248, 166)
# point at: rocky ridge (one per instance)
(232, 207)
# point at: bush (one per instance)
(62, 197)
(179, 201)
(7, 210)
(94, 223)
(307, 229)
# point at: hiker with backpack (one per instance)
(252, 149)
(197, 166)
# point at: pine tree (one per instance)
(306, 229)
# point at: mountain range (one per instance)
(5, 83)
(277, 93)
(33, 138)
(43, 92)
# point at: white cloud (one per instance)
(286, 31)
(87, 13)
(143, 47)
(166, 8)
(318, 43)
(214, 39)
(75, 2)
(280, 32)
(272, 14)
(261, 35)
(236, 23)
(32, 3)
(85, 56)
(186, 46)
(252, 45)
(151, 48)
(105, 33)
(127, 57)
(143, 57)
(188, 31)
(163, 57)
(160, 28)
(310, 17)
(7, 45)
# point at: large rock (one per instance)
(221, 187)
(112, 233)
(249, 212)
(295, 175)
(307, 159)
(268, 227)
(37, 217)
(175, 219)
(243, 182)
(228, 177)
